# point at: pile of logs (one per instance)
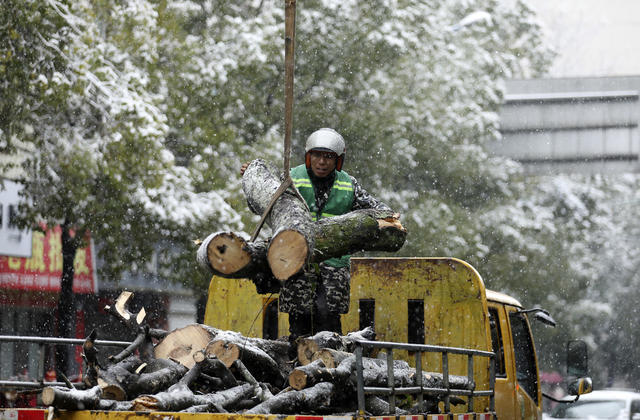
(203, 369)
(295, 239)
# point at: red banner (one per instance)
(43, 270)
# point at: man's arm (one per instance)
(364, 200)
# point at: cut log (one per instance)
(330, 340)
(262, 366)
(182, 343)
(150, 383)
(278, 350)
(293, 236)
(316, 398)
(376, 406)
(307, 375)
(180, 397)
(374, 374)
(359, 230)
(115, 379)
(228, 255)
(71, 399)
(330, 358)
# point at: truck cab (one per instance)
(517, 386)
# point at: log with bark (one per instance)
(180, 397)
(259, 362)
(292, 237)
(72, 399)
(375, 374)
(296, 239)
(316, 398)
(308, 346)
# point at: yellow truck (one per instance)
(433, 312)
(440, 302)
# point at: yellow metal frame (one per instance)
(453, 293)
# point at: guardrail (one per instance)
(419, 389)
(44, 341)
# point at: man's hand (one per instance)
(244, 167)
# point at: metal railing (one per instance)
(45, 341)
(419, 389)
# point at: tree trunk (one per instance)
(292, 239)
(66, 299)
(228, 255)
(358, 230)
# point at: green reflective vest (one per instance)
(340, 201)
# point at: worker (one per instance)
(315, 298)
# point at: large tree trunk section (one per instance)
(292, 241)
(229, 255)
(330, 340)
(311, 399)
(183, 343)
(359, 230)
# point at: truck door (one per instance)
(505, 375)
(528, 404)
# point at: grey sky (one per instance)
(592, 37)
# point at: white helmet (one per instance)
(326, 139)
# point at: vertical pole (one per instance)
(391, 382)
(445, 379)
(360, 380)
(419, 380)
(470, 378)
(289, 61)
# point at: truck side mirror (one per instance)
(580, 387)
(578, 368)
(577, 359)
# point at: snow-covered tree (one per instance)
(84, 127)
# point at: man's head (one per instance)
(324, 152)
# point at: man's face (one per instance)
(323, 163)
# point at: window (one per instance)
(415, 321)
(496, 342)
(367, 312)
(13, 212)
(526, 369)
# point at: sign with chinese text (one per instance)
(43, 270)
